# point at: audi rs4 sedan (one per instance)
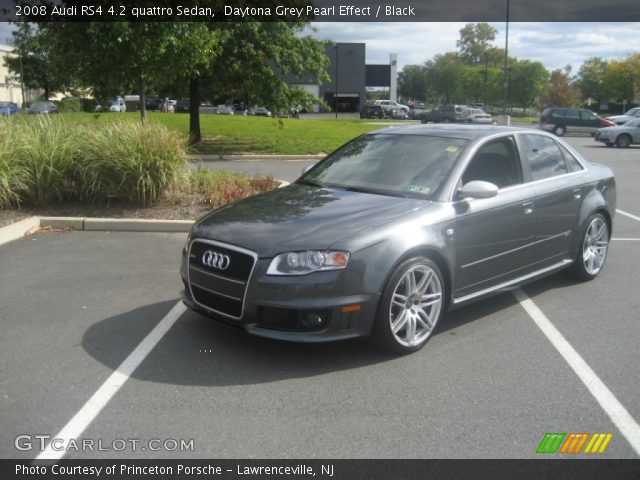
(389, 231)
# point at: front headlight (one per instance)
(302, 263)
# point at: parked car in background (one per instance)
(224, 110)
(182, 105)
(416, 113)
(9, 108)
(477, 115)
(372, 111)
(397, 226)
(118, 105)
(43, 107)
(628, 115)
(390, 106)
(621, 135)
(152, 103)
(571, 120)
(259, 111)
(446, 114)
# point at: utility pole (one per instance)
(506, 60)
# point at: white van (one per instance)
(118, 105)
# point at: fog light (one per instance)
(313, 320)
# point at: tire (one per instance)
(446, 120)
(411, 306)
(559, 131)
(592, 252)
(623, 141)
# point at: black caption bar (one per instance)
(323, 469)
(324, 10)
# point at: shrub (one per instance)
(224, 186)
(12, 174)
(131, 161)
(45, 151)
(70, 104)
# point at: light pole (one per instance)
(335, 99)
(506, 60)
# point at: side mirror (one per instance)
(478, 189)
(307, 168)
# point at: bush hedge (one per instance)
(47, 159)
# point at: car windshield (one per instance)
(389, 164)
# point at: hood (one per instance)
(618, 118)
(300, 217)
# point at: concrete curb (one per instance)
(251, 157)
(19, 229)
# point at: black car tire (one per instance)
(581, 269)
(623, 141)
(559, 130)
(420, 319)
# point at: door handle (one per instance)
(577, 193)
(527, 208)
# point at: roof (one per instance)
(468, 132)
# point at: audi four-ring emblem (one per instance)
(215, 260)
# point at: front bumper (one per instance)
(319, 307)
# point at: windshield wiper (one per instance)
(313, 183)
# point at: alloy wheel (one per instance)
(594, 247)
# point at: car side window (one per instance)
(572, 114)
(588, 115)
(496, 162)
(544, 156)
(573, 165)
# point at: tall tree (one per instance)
(591, 78)
(561, 91)
(475, 42)
(527, 82)
(444, 76)
(412, 82)
(37, 61)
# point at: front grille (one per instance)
(220, 290)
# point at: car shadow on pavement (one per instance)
(198, 350)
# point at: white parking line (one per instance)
(96, 403)
(619, 239)
(626, 214)
(619, 415)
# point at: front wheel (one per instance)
(623, 141)
(410, 307)
(559, 131)
(593, 249)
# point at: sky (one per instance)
(555, 44)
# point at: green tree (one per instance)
(37, 61)
(561, 91)
(527, 80)
(475, 42)
(591, 78)
(619, 80)
(444, 76)
(412, 82)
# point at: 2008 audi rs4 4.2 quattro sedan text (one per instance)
(385, 234)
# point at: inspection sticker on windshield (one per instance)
(452, 149)
(418, 189)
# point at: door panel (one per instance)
(495, 239)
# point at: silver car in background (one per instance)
(621, 136)
(386, 233)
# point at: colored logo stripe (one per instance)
(550, 442)
(573, 442)
(598, 443)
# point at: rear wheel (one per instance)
(623, 141)
(411, 306)
(559, 130)
(593, 249)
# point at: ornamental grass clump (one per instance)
(12, 174)
(131, 162)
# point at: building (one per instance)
(349, 78)
(10, 86)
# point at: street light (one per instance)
(506, 59)
(335, 99)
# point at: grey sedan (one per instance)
(385, 234)
(621, 136)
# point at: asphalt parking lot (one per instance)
(78, 306)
